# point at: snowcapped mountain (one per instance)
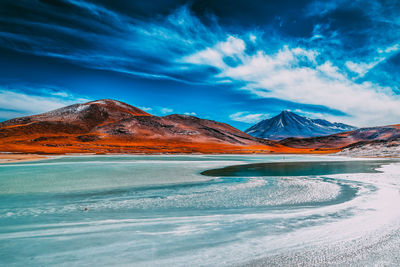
(289, 124)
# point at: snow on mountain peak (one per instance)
(289, 124)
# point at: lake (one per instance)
(200, 210)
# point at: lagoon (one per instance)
(205, 210)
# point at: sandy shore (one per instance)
(9, 158)
(12, 158)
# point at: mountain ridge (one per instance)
(359, 142)
(110, 126)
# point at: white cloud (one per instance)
(166, 110)
(252, 38)
(147, 109)
(294, 74)
(61, 94)
(190, 113)
(247, 117)
(233, 46)
(16, 104)
(331, 71)
(389, 49)
(361, 68)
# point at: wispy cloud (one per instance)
(15, 103)
(166, 110)
(104, 39)
(390, 49)
(361, 68)
(247, 117)
(329, 65)
(147, 109)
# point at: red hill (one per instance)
(109, 126)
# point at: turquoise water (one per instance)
(161, 211)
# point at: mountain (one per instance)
(371, 141)
(110, 126)
(289, 124)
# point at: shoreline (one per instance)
(13, 158)
(9, 157)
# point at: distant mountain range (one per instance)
(288, 124)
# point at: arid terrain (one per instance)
(372, 141)
(110, 126)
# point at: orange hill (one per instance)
(109, 126)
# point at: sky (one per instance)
(236, 62)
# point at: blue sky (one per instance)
(231, 61)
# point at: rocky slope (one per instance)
(363, 141)
(379, 148)
(289, 124)
(109, 126)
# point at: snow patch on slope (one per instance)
(373, 150)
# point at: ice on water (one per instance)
(160, 211)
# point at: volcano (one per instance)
(289, 124)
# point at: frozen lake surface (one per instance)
(255, 210)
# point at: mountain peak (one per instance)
(283, 112)
(286, 114)
(103, 101)
(289, 124)
(118, 106)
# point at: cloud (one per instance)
(252, 38)
(247, 117)
(390, 49)
(321, 64)
(147, 109)
(215, 56)
(190, 113)
(296, 74)
(100, 38)
(16, 103)
(166, 110)
(361, 68)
